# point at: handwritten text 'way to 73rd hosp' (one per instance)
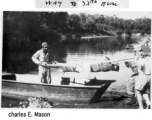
(82, 3)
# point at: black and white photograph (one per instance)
(76, 59)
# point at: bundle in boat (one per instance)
(104, 67)
(87, 67)
(79, 67)
(68, 68)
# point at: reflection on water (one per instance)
(92, 49)
(96, 49)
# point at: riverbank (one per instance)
(94, 36)
(110, 100)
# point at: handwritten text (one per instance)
(82, 3)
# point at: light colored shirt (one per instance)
(40, 56)
(145, 65)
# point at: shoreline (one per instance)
(104, 36)
(95, 36)
(107, 101)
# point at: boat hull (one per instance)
(55, 93)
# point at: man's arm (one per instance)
(35, 58)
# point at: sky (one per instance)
(120, 14)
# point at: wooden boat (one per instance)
(67, 94)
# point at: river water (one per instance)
(95, 49)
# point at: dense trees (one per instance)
(52, 25)
(23, 32)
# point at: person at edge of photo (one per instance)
(42, 57)
(139, 83)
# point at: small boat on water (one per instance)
(87, 93)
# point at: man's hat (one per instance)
(137, 48)
(45, 44)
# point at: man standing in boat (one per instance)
(42, 57)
